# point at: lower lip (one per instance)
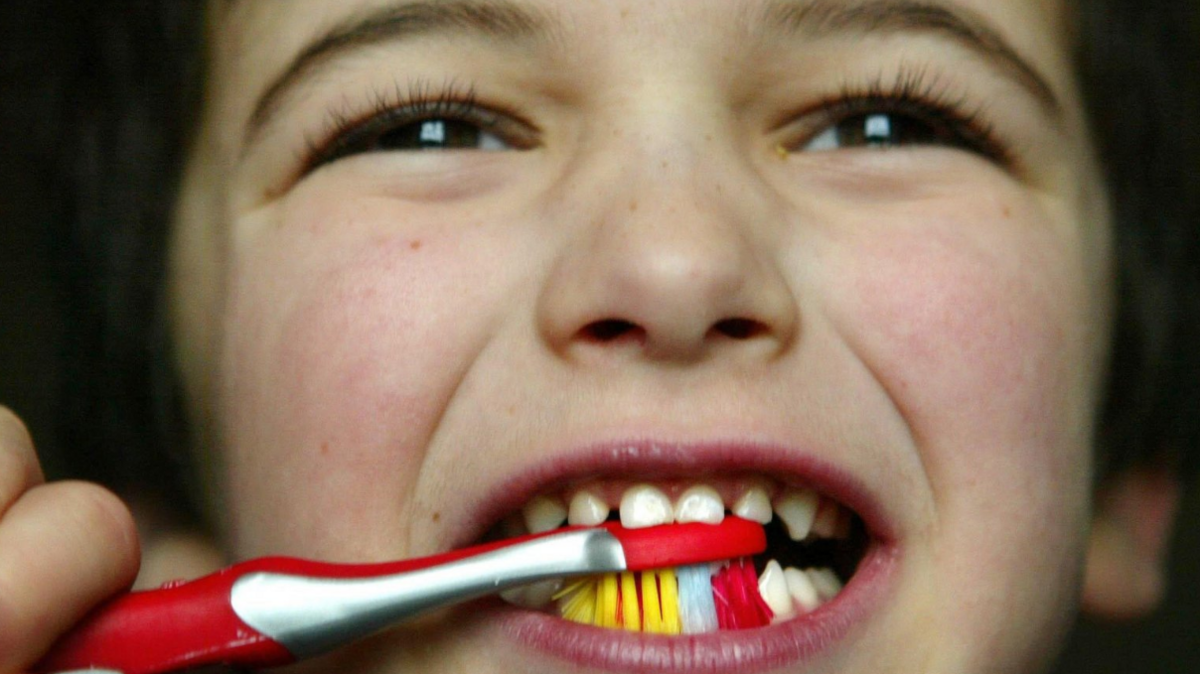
(797, 641)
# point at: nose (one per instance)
(675, 267)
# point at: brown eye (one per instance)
(446, 122)
(438, 134)
(881, 131)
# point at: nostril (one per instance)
(609, 329)
(739, 328)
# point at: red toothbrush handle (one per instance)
(176, 627)
(194, 624)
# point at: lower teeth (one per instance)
(696, 599)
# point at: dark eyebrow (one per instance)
(786, 18)
(496, 20)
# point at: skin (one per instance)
(393, 333)
(373, 346)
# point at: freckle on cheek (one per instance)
(415, 244)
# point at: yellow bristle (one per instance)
(580, 601)
(631, 618)
(669, 591)
(611, 600)
(651, 609)
(606, 602)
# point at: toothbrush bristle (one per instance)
(697, 612)
(739, 604)
(688, 600)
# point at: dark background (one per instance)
(33, 331)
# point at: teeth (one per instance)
(826, 583)
(645, 506)
(537, 595)
(797, 508)
(801, 589)
(700, 503)
(587, 509)
(825, 523)
(774, 590)
(754, 505)
(544, 513)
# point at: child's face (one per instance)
(665, 246)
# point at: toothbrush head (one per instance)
(671, 545)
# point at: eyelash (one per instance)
(911, 94)
(346, 133)
(916, 95)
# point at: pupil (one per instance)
(877, 130)
(431, 134)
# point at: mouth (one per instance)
(829, 552)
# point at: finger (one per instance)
(64, 547)
(19, 467)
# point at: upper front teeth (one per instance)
(587, 509)
(544, 513)
(754, 505)
(797, 508)
(701, 503)
(644, 505)
(804, 513)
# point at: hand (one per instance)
(64, 547)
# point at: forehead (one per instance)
(265, 36)
(264, 53)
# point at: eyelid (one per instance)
(911, 92)
(347, 131)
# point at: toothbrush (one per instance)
(274, 611)
(690, 599)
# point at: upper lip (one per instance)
(651, 459)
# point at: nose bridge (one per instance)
(672, 234)
(676, 256)
(681, 204)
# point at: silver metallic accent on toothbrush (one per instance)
(90, 671)
(312, 615)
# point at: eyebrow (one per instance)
(820, 18)
(506, 22)
(495, 20)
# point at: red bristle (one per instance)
(620, 604)
(743, 606)
(738, 602)
(762, 611)
(720, 584)
(637, 583)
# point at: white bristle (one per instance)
(697, 612)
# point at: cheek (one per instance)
(346, 335)
(979, 330)
(978, 324)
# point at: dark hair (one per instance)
(1139, 67)
(106, 93)
(125, 86)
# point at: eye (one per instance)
(439, 134)
(915, 110)
(416, 121)
(883, 130)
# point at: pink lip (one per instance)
(734, 652)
